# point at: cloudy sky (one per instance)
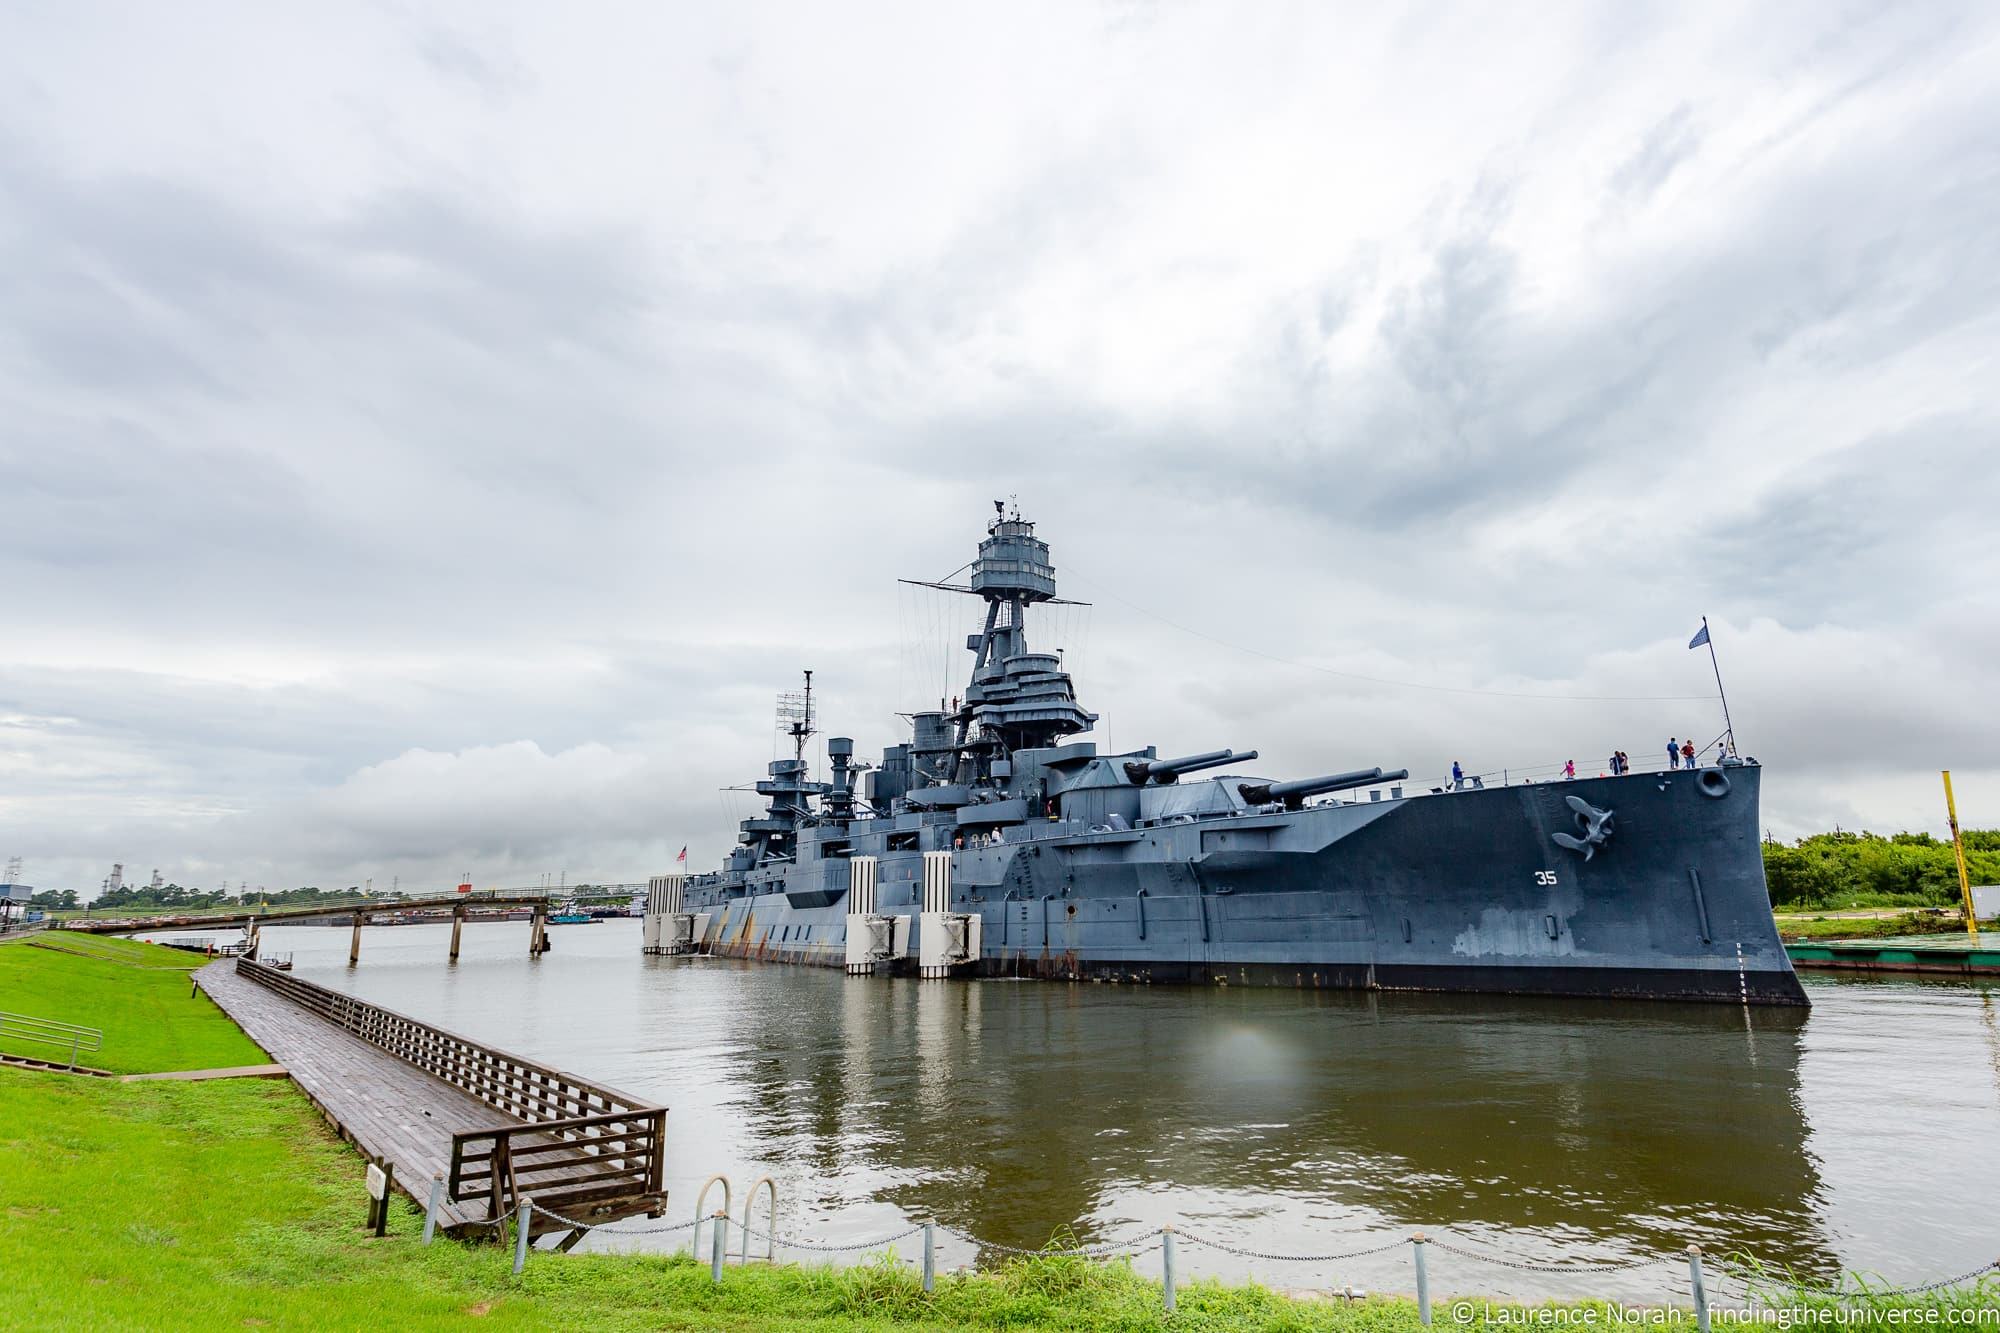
(430, 435)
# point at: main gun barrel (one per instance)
(1166, 771)
(1294, 793)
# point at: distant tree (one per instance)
(1815, 871)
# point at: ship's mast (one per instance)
(1017, 699)
(795, 716)
(772, 836)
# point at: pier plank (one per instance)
(394, 1109)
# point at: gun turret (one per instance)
(1167, 771)
(1294, 793)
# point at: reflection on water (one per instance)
(1286, 1121)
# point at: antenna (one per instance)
(795, 716)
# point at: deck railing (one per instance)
(578, 1145)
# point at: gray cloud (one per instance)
(433, 455)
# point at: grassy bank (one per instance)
(137, 993)
(1821, 926)
(205, 1205)
(183, 1205)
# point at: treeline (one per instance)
(175, 898)
(1862, 869)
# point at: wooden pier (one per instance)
(253, 921)
(492, 1126)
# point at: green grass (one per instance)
(1882, 1303)
(137, 993)
(204, 1205)
(1818, 926)
(230, 1204)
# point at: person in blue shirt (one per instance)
(1673, 752)
(1457, 776)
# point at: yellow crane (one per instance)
(1958, 849)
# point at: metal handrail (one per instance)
(26, 1027)
(749, 1202)
(701, 1199)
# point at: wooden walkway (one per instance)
(567, 1144)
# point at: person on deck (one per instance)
(1569, 771)
(1457, 776)
(1673, 752)
(1687, 753)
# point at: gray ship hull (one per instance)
(1500, 890)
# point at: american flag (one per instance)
(682, 858)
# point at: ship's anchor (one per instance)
(1592, 823)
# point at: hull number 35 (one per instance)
(1545, 877)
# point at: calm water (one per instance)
(1864, 1135)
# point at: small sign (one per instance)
(378, 1183)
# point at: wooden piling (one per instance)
(457, 928)
(354, 949)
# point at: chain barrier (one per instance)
(1528, 1266)
(1752, 1286)
(1189, 1236)
(827, 1249)
(1103, 1249)
(611, 1230)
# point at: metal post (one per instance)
(431, 1211)
(1700, 1295)
(1423, 1281)
(719, 1236)
(1728, 727)
(930, 1255)
(521, 1237)
(1167, 1264)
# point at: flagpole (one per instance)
(1728, 728)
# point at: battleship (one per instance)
(996, 842)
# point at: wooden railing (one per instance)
(578, 1147)
(592, 1165)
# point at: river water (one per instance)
(1864, 1135)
